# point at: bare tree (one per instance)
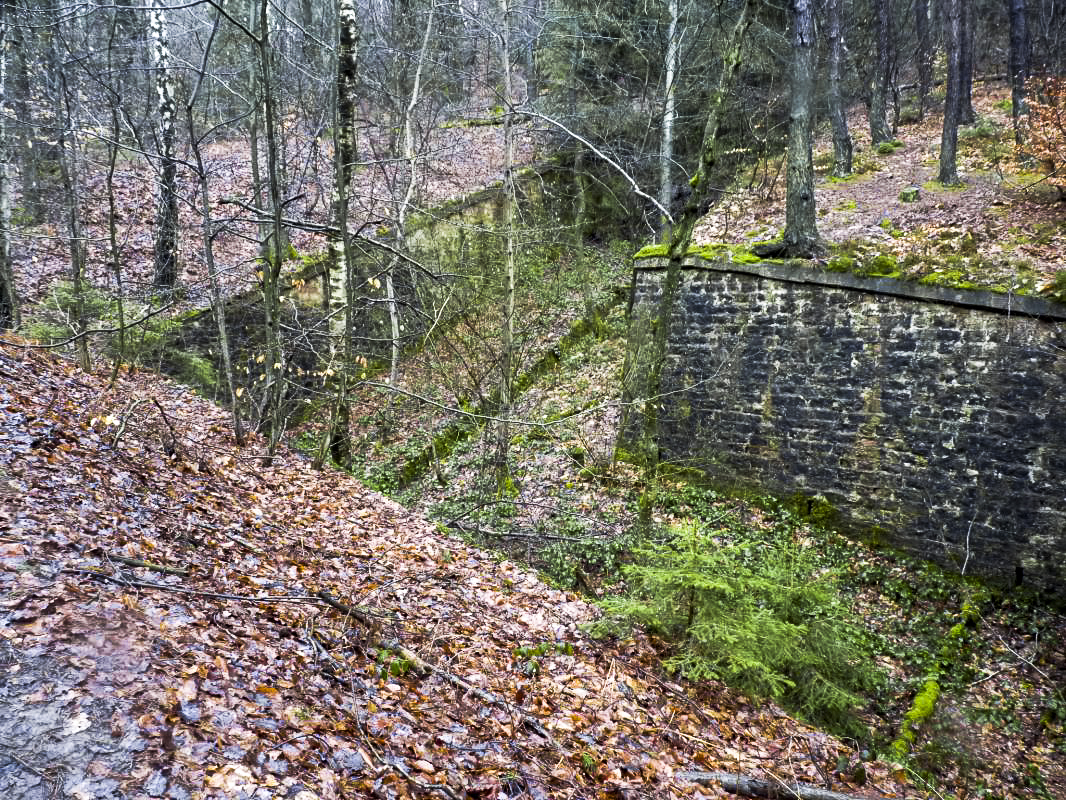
(923, 54)
(9, 301)
(842, 147)
(337, 439)
(1018, 61)
(666, 150)
(166, 226)
(950, 135)
(801, 232)
(503, 432)
(880, 130)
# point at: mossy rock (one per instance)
(882, 266)
(841, 264)
(909, 195)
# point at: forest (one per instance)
(317, 328)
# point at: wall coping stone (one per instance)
(801, 272)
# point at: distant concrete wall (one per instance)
(929, 417)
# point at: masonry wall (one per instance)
(931, 418)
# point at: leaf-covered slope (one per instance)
(309, 638)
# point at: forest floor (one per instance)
(998, 731)
(453, 159)
(183, 620)
(436, 664)
(1003, 228)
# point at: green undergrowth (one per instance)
(758, 613)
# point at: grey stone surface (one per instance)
(931, 421)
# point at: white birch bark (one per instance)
(9, 304)
(666, 147)
(166, 233)
(507, 326)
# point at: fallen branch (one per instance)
(136, 562)
(103, 576)
(751, 787)
(242, 541)
(519, 534)
(423, 667)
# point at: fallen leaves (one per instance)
(323, 641)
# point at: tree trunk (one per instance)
(410, 157)
(950, 136)
(207, 232)
(33, 204)
(503, 432)
(9, 302)
(275, 373)
(68, 174)
(801, 231)
(1018, 62)
(879, 127)
(966, 113)
(924, 55)
(337, 441)
(842, 148)
(657, 327)
(166, 229)
(666, 147)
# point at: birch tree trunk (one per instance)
(166, 226)
(337, 440)
(842, 147)
(9, 301)
(656, 329)
(503, 431)
(666, 147)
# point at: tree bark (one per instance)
(9, 301)
(801, 231)
(949, 138)
(33, 204)
(966, 43)
(924, 55)
(503, 429)
(337, 442)
(842, 147)
(207, 233)
(275, 373)
(166, 226)
(879, 127)
(657, 328)
(1018, 62)
(68, 174)
(666, 146)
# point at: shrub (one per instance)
(759, 616)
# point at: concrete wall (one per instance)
(929, 417)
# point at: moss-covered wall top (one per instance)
(929, 417)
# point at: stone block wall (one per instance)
(931, 418)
